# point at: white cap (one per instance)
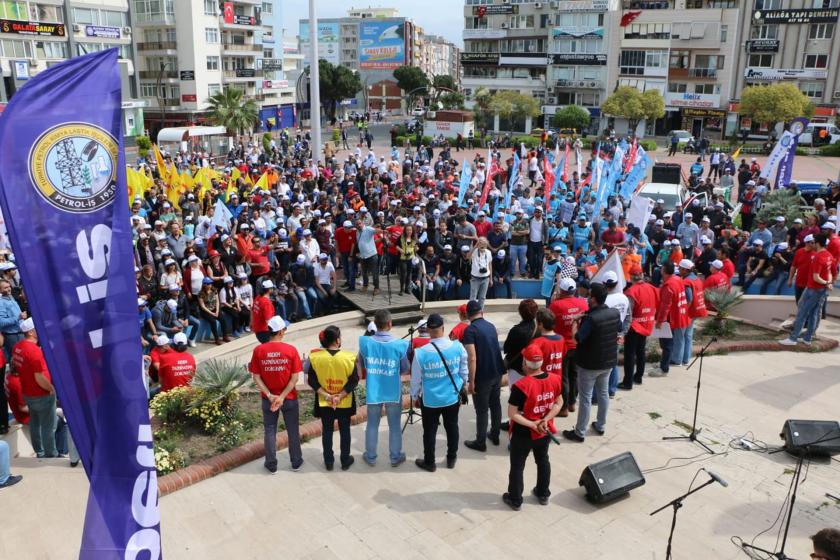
(300, 259)
(227, 279)
(797, 221)
(705, 240)
(404, 221)
(758, 242)
(242, 276)
(481, 213)
(568, 285)
(371, 327)
(267, 284)
(705, 219)
(808, 238)
(686, 264)
(689, 215)
(276, 324)
(465, 248)
(781, 246)
(192, 258)
(307, 232)
(162, 340)
(172, 304)
(141, 302)
(780, 218)
(660, 223)
(323, 257)
(675, 242)
(610, 277)
(751, 182)
(348, 223)
(660, 201)
(244, 226)
(225, 237)
(828, 225)
(717, 263)
(27, 325)
(363, 209)
(179, 338)
(447, 247)
(167, 262)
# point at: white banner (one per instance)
(777, 154)
(639, 212)
(613, 263)
(752, 73)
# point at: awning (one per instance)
(184, 133)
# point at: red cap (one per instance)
(462, 309)
(635, 269)
(213, 253)
(532, 353)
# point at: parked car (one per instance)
(683, 136)
(418, 112)
(670, 194)
(819, 134)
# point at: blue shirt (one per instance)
(9, 315)
(488, 356)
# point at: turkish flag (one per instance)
(229, 12)
(628, 18)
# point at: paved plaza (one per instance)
(382, 512)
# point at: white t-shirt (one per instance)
(620, 302)
(535, 235)
(481, 260)
(323, 273)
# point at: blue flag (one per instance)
(64, 197)
(466, 176)
(636, 175)
(514, 177)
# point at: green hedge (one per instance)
(830, 150)
(648, 145)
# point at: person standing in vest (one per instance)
(643, 298)
(332, 375)
(551, 344)
(384, 359)
(276, 368)
(262, 311)
(597, 353)
(568, 308)
(534, 402)
(696, 306)
(439, 373)
(672, 309)
(486, 368)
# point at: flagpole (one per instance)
(314, 85)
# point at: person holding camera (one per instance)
(481, 271)
(439, 375)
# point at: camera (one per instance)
(482, 270)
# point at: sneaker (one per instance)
(191, 343)
(504, 426)
(657, 372)
(247, 329)
(272, 469)
(572, 436)
(328, 466)
(296, 468)
(431, 467)
(368, 461)
(637, 380)
(12, 480)
(543, 500)
(787, 342)
(597, 431)
(399, 461)
(612, 395)
(475, 446)
(507, 499)
(806, 342)
(348, 464)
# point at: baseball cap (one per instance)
(660, 223)
(717, 263)
(532, 353)
(797, 221)
(276, 324)
(809, 238)
(780, 218)
(227, 280)
(465, 248)
(172, 304)
(610, 277)
(348, 223)
(501, 253)
(705, 240)
(300, 259)
(473, 307)
(686, 264)
(447, 247)
(179, 338)
(142, 302)
(162, 340)
(28, 325)
(758, 242)
(267, 284)
(323, 257)
(462, 309)
(568, 285)
(192, 258)
(435, 321)
(781, 246)
(689, 215)
(828, 225)
(206, 280)
(557, 249)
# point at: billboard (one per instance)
(327, 42)
(381, 44)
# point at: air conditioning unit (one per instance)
(77, 28)
(555, 5)
(504, 26)
(550, 89)
(505, 1)
(33, 62)
(127, 31)
(593, 85)
(836, 94)
(538, 5)
(551, 101)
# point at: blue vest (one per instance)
(580, 235)
(438, 391)
(549, 271)
(382, 364)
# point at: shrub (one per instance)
(168, 461)
(782, 202)
(722, 301)
(266, 141)
(336, 135)
(171, 406)
(648, 145)
(218, 381)
(830, 150)
(144, 144)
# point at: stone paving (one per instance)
(381, 512)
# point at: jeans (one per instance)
(808, 314)
(431, 420)
(4, 462)
(370, 266)
(518, 256)
(328, 419)
(348, 263)
(613, 384)
(303, 303)
(393, 412)
(688, 341)
(325, 298)
(9, 341)
(520, 447)
(535, 258)
(590, 380)
(42, 424)
(487, 400)
(634, 357)
(505, 282)
(570, 390)
(678, 349)
(774, 282)
(64, 441)
(478, 289)
(4, 407)
(291, 418)
(193, 324)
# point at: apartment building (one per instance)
(37, 35)
(685, 49)
(440, 57)
(796, 41)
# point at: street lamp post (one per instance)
(314, 86)
(161, 98)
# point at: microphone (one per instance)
(714, 339)
(716, 478)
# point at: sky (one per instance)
(436, 17)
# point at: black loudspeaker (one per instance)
(611, 478)
(812, 437)
(667, 173)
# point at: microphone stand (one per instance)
(676, 504)
(412, 415)
(694, 432)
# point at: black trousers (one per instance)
(4, 406)
(569, 378)
(536, 252)
(487, 401)
(431, 421)
(211, 321)
(521, 446)
(634, 357)
(328, 419)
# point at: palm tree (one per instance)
(230, 109)
(722, 301)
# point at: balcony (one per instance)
(245, 74)
(169, 102)
(144, 19)
(710, 73)
(677, 73)
(155, 74)
(239, 22)
(157, 46)
(636, 5)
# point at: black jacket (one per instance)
(597, 338)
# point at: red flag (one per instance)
(628, 18)
(581, 185)
(494, 170)
(565, 175)
(631, 158)
(549, 183)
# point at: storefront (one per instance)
(703, 122)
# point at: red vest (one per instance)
(541, 394)
(553, 352)
(697, 307)
(717, 281)
(678, 308)
(645, 298)
(566, 311)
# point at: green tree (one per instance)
(625, 102)
(409, 79)
(451, 100)
(230, 109)
(444, 81)
(653, 104)
(775, 103)
(144, 144)
(571, 116)
(507, 103)
(336, 84)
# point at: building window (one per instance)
(707, 88)
(723, 4)
(770, 31)
(16, 49)
(674, 87)
(760, 60)
(476, 23)
(212, 62)
(13, 10)
(153, 10)
(724, 31)
(768, 4)
(41, 12)
(648, 31)
(632, 63)
(51, 49)
(114, 19)
(826, 3)
(708, 61)
(816, 61)
(656, 59)
(87, 48)
(171, 35)
(821, 31)
(211, 8)
(814, 90)
(85, 16)
(679, 59)
(213, 89)
(521, 22)
(267, 8)
(148, 90)
(211, 35)
(583, 45)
